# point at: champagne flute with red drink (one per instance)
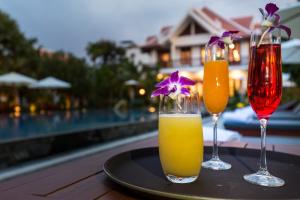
(264, 93)
(265, 83)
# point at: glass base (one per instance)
(216, 164)
(264, 178)
(177, 179)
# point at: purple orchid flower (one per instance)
(227, 38)
(173, 85)
(272, 19)
(216, 40)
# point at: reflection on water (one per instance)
(48, 123)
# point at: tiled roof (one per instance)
(226, 24)
(241, 24)
(256, 26)
(151, 40)
(154, 40)
(165, 30)
(244, 21)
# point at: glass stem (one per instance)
(263, 161)
(215, 155)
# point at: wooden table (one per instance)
(84, 178)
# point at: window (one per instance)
(164, 59)
(185, 56)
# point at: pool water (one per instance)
(50, 123)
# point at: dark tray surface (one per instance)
(141, 170)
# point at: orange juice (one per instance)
(216, 86)
(180, 144)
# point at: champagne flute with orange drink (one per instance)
(216, 89)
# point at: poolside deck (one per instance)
(84, 178)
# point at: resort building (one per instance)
(182, 47)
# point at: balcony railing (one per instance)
(195, 62)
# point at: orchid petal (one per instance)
(159, 91)
(286, 29)
(213, 40)
(221, 44)
(174, 77)
(276, 19)
(172, 86)
(229, 33)
(186, 81)
(226, 34)
(227, 37)
(271, 8)
(185, 91)
(272, 19)
(163, 83)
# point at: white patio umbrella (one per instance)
(291, 51)
(50, 83)
(16, 79)
(131, 82)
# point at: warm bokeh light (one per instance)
(231, 46)
(237, 74)
(186, 74)
(199, 89)
(32, 108)
(142, 91)
(165, 57)
(159, 76)
(240, 105)
(237, 85)
(151, 109)
(17, 109)
(200, 75)
(196, 89)
(17, 114)
(236, 55)
(68, 103)
(202, 55)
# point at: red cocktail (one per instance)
(264, 93)
(264, 81)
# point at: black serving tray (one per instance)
(140, 170)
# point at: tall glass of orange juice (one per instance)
(215, 94)
(180, 138)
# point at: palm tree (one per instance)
(104, 52)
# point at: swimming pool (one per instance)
(27, 126)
